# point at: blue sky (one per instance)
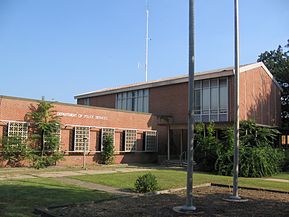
(60, 48)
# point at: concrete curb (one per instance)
(250, 188)
(177, 189)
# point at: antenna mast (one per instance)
(147, 41)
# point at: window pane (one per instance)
(198, 84)
(197, 100)
(130, 140)
(223, 95)
(105, 132)
(206, 83)
(140, 101)
(214, 99)
(146, 104)
(124, 101)
(81, 138)
(129, 101)
(206, 100)
(18, 129)
(214, 83)
(151, 141)
(134, 101)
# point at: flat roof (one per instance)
(71, 104)
(216, 73)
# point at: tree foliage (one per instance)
(15, 150)
(258, 158)
(277, 61)
(107, 154)
(205, 146)
(45, 140)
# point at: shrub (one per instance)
(286, 160)
(39, 162)
(205, 146)
(107, 154)
(257, 157)
(146, 183)
(15, 150)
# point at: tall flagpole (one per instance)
(189, 207)
(237, 102)
(147, 42)
(235, 196)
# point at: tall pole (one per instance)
(188, 208)
(147, 42)
(189, 200)
(236, 106)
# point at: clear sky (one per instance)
(60, 48)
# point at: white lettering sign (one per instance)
(74, 115)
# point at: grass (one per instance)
(284, 175)
(169, 179)
(20, 197)
(29, 170)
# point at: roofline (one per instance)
(70, 104)
(161, 82)
(179, 79)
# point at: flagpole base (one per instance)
(185, 209)
(237, 199)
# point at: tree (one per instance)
(107, 154)
(277, 61)
(45, 126)
(15, 150)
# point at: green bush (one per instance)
(205, 146)
(257, 157)
(107, 155)
(44, 161)
(146, 183)
(286, 160)
(15, 150)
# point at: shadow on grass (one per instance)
(19, 198)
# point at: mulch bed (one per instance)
(208, 200)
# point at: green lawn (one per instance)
(168, 179)
(20, 197)
(284, 175)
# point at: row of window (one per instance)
(211, 100)
(137, 100)
(82, 137)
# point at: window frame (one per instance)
(102, 136)
(85, 147)
(134, 147)
(146, 141)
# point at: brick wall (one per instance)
(259, 98)
(15, 109)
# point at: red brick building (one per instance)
(167, 99)
(83, 129)
(149, 120)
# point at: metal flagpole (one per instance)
(237, 102)
(235, 196)
(147, 42)
(188, 207)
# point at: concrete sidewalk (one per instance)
(94, 186)
(70, 173)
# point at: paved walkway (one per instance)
(30, 175)
(277, 180)
(94, 186)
